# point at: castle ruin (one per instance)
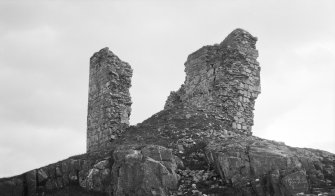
(223, 79)
(108, 99)
(200, 144)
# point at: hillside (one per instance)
(200, 144)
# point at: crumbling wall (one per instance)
(224, 79)
(109, 102)
(181, 150)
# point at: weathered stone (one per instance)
(295, 182)
(12, 186)
(213, 75)
(144, 172)
(31, 184)
(41, 176)
(58, 171)
(109, 99)
(200, 144)
(270, 167)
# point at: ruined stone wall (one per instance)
(184, 149)
(224, 79)
(109, 102)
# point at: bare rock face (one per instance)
(149, 171)
(263, 167)
(199, 145)
(108, 100)
(129, 170)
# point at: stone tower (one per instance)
(109, 102)
(223, 79)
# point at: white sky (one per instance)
(45, 48)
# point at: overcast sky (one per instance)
(45, 48)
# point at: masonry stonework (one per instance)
(109, 102)
(200, 144)
(223, 79)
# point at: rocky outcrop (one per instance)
(263, 167)
(215, 162)
(108, 99)
(128, 170)
(148, 171)
(200, 144)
